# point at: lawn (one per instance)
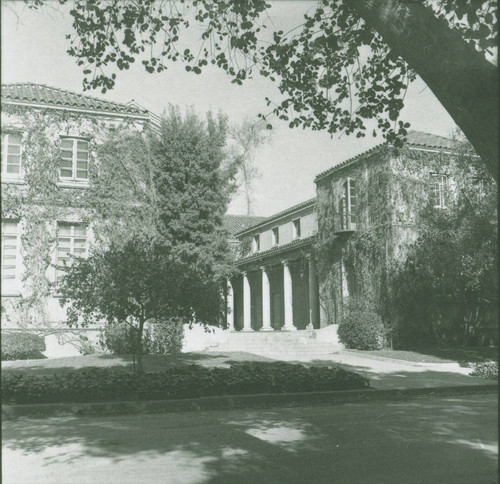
(440, 355)
(152, 363)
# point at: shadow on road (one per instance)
(433, 440)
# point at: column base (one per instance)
(269, 328)
(246, 330)
(288, 328)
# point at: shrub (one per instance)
(22, 346)
(187, 381)
(161, 337)
(361, 328)
(488, 370)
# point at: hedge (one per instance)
(22, 346)
(186, 381)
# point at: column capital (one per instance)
(244, 273)
(285, 262)
(263, 268)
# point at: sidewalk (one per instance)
(389, 374)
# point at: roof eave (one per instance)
(274, 218)
(117, 114)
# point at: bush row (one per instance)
(488, 370)
(187, 381)
(22, 346)
(161, 337)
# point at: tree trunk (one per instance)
(460, 77)
(138, 348)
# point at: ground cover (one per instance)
(464, 356)
(175, 381)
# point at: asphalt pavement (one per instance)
(424, 440)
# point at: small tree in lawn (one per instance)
(133, 285)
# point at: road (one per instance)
(428, 440)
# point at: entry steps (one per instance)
(282, 345)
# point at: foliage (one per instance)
(40, 201)
(22, 346)
(334, 71)
(361, 328)
(248, 137)
(134, 284)
(165, 252)
(160, 338)
(488, 370)
(176, 382)
(446, 289)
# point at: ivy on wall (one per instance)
(393, 206)
(40, 200)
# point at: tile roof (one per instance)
(414, 138)
(31, 93)
(265, 220)
(235, 223)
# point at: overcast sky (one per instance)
(34, 50)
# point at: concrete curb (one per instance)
(10, 412)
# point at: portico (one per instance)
(277, 290)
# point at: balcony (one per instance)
(345, 223)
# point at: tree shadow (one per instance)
(125, 363)
(464, 355)
(425, 440)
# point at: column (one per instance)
(288, 297)
(247, 325)
(230, 306)
(313, 294)
(266, 302)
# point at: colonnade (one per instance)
(266, 299)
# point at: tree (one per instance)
(447, 288)
(248, 137)
(132, 285)
(349, 62)
(164, 252)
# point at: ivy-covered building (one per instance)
(300, 266)
(297, 268)
(49, 162)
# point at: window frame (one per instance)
(275, 236)
(72, 236)
(348, 205)
(256, 243)
(5, 152)
(439, 189)
(74, 159)
(11, 282)
(296, 229)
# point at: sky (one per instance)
(33, 48)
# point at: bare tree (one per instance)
(248, 137)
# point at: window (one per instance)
(10, 245)
(74, 159)
(347, 206)
(11, 154)
(439, 185)
(296, 229)
(256, 243)
(71, 241)
(275, 236)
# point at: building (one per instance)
(300, 266)
(49, 139)
(296, 269)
